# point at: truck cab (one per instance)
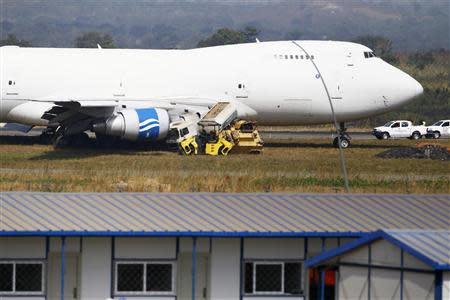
(439, 129)
(399, 129)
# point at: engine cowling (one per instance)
(136, 124)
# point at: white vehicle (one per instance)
(439, 129)
(183, 128)
(136, 94)
(399, 129)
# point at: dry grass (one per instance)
(286, 166)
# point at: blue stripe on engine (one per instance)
(148, 129)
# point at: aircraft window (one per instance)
(275, 56)
(369, 54)
(312, 56)
(296, 57)
(10, 82)
(184, 131)
(286, 56)
(281, 56)
(301, 56)
(292, 56)
(395, 125)
(307, 56)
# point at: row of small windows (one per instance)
(280, 56)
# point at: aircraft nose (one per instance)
(405, 88)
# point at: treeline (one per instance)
(430, 68)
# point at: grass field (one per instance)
(286, 166)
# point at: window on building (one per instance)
(21, 278)
(272, 278)
(144, 278)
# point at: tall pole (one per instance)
(341, 152)
(63, 264)
(194, 265)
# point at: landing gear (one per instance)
(47, 135)
(344, 138)
(62, 140)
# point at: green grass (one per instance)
(310, 165)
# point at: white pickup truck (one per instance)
(439, 129)
(399, 129)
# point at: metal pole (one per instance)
(194, 265)
(322, 284)
(63, 264)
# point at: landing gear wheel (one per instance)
(345, 142)
(61, 142)
(80, 139)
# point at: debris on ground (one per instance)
(428, 151)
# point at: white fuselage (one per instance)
(270, 78)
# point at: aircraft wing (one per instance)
(78, 109)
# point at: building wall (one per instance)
(225, 261)
(418, 286)
(273, 248)
(353, 283)
(22, 247)
(384, 283)
(96, 268)
(446, 285)
(145, 248)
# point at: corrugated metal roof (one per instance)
(430, 246)
(218, 213)
(433, 245)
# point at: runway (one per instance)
(265, 134)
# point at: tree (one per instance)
(12, 40)
(92, 39)
(380, 45)
(421, 60)
(227, 36)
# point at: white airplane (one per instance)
(136, 94)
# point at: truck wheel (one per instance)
(416, 135)
(436, 134)
(385, 136)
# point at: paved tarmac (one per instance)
(264, 134)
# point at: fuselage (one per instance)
(288, 82)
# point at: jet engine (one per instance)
(136, 124)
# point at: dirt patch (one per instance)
(427, 152)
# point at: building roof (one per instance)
(430, 246)
(217, 214)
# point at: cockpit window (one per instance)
(369, 54)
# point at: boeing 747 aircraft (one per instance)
(137, 94)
